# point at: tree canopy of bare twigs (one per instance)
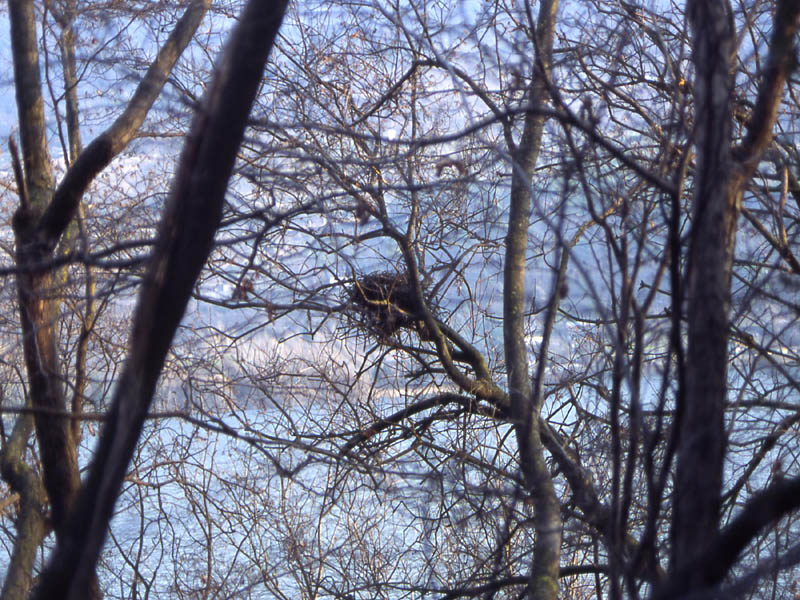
(480, 299)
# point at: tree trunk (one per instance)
(186, 237)
(722, 174)
(701, 449)
(40, 224)
(525, 407)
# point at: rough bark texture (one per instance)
(30, 104)
(186, 236)
(702, 429)
(40, 224)
(722, 174)
(525, 407)
(37, 297)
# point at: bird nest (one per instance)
(385, 303)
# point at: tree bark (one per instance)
(36, 292)
(185, 239)
(702, 443)
(30, 525)
(525, 407)
(722, 174)
(40, 223)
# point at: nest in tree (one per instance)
(385, 303)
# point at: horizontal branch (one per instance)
(569, 118)
(494, 586)
(401, 415)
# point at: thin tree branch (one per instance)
(102, 150)
(186, 235)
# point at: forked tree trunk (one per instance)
(40, 224)
(721, 176)
(185, 239)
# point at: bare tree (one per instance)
(610, 221)
(41, 223)
(723, 172)
(501, 304)
(42, 232)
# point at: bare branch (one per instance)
(185, 238)
(102, 150)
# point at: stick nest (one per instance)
(385, 303)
